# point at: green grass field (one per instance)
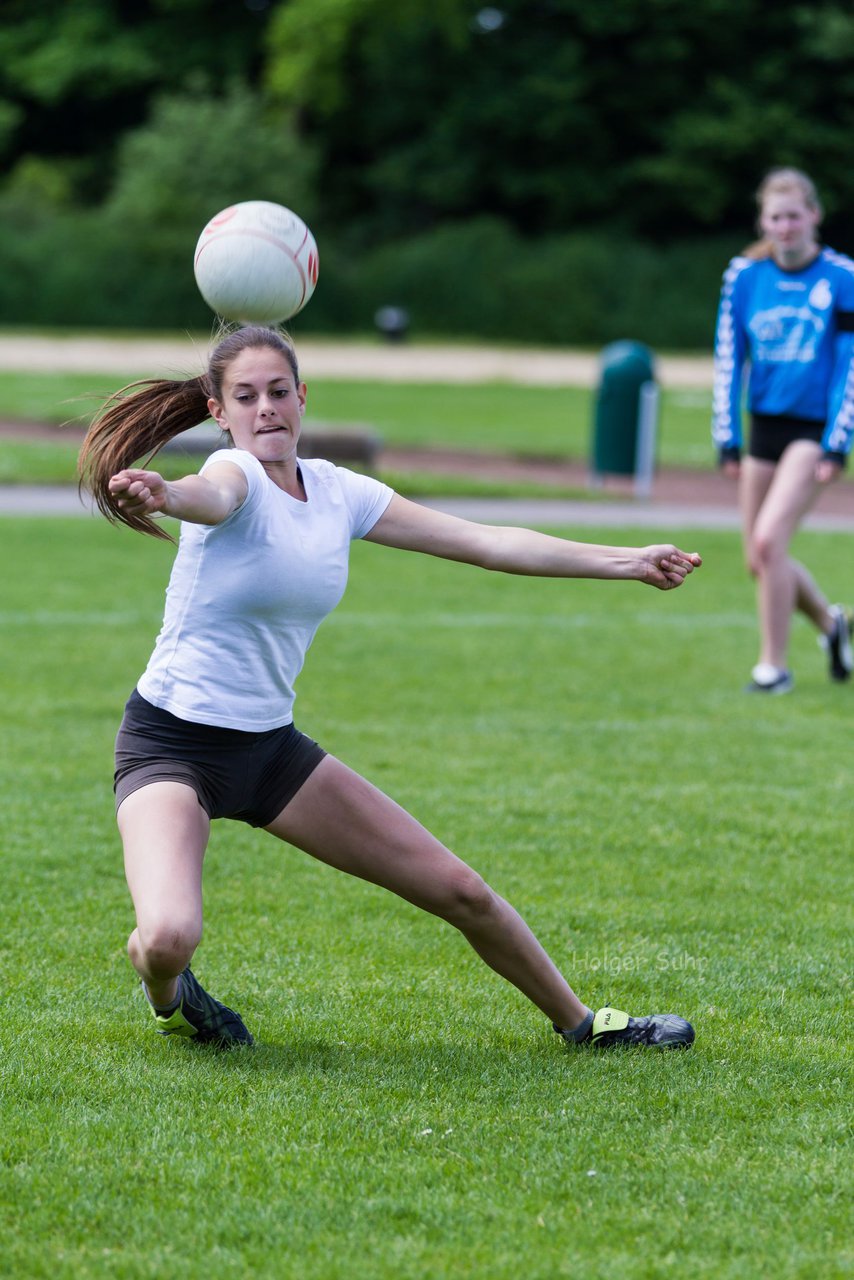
(405, 1114)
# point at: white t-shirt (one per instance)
(246, 596)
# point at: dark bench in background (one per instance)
(353, 443)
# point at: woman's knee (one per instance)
(765, 549)
(468, 899)
(165, 947)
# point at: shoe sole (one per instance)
(771, 690)
(839, 649)
(684, 1042)
(841, 662)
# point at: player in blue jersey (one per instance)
(787, 311)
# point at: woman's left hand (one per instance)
(826, 470)
(666, 566)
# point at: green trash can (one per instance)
(626, 414)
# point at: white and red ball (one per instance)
(256, 262)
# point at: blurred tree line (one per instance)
(564, 171)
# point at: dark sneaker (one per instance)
(201, 1018)
(837, 645)
(658, 1031)
(768, 679)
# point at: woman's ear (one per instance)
(217, 412)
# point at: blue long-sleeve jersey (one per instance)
(796, 330)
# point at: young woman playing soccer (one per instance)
(209, 732)
(787, 307)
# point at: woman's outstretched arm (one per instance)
(411, 527)
(207, 499)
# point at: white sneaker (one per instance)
(766, 678)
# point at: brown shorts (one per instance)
(247, 776)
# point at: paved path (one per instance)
(59, 500)
(42, 500)
(663, 516)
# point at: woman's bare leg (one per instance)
(165, 833)
(341, 819)
(775, 499)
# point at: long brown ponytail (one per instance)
(133, 424)
(140, 418)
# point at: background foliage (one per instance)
(544, 170)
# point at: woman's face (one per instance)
(262, 405)
(790, 224)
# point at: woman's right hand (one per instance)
(731, 468)
(826, 470)
(137, 492)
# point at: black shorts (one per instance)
(769, 436)
(247, 776)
